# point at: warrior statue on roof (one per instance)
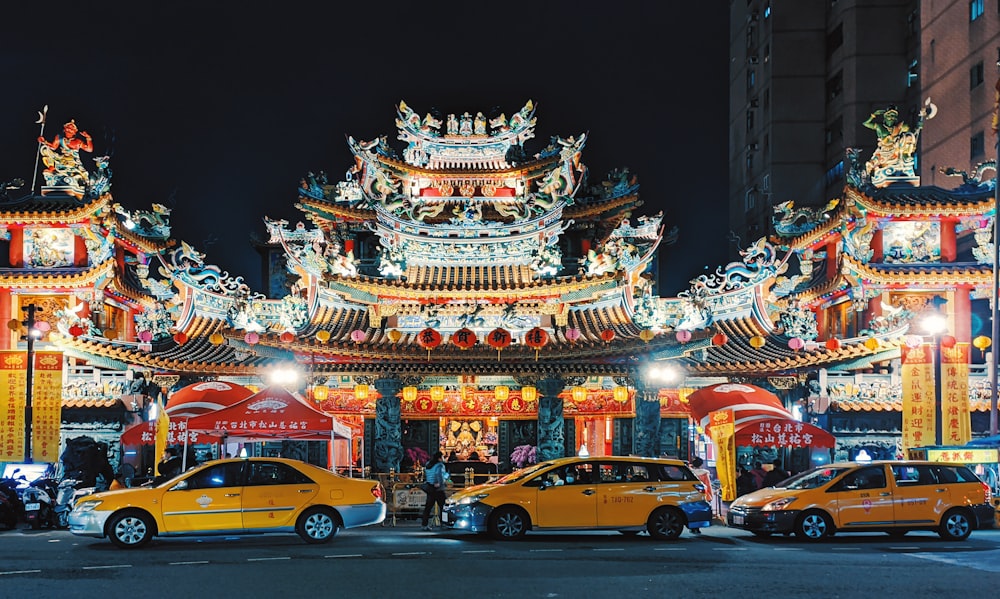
(893, 158)
(61, 158)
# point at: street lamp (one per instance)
(34, 334)
(935, 325)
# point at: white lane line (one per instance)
(610, 549)
(20, 572)
(411, 553)
(266, 559)
(188, 563)
(729, 548)
(914, 548)
(343, 555)
(670, 549)
(545, 550)
(107, 567)
(788, 549)
(845, 549)
(480, 551)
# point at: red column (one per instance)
(821, 324)
(876, 245)
(16, 252)
(962, 313)
(948, 252)
(348, 246)
(5, 318)
(831, 260)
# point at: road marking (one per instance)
(729, 548)
(412, 553)
(914, 548)
(107, 567)
(344, 555)
(788, 549)
(480, 551)
(609, 549)
(188, 563)
(54, 540)
(845, 548)
(545, 550)
(20, 572)
(266, 559)
(986, 561)
(670, 549)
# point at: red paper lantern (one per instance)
(833, 344)
(720, 339)
(76, 330)
(948, 341)
(181, 338)
(287, 337)
(536, 338)
(429, 338)
(464, 338)
(608, 335)
(498, 338)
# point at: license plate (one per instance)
(737, 519)
(444, 516)
(32, 506)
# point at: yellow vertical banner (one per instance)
(46, 406)
(956, 424)
(918, 396)
(13, 396)
(722, 429)
(162, 432)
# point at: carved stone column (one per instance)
(551, 426)
(647, 419)
(388, 444)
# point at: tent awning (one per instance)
(144, 433)
(782, 432)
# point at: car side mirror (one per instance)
(181, 485)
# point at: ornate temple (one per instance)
(460, 291)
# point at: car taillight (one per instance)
(989, 492)
(377, 491)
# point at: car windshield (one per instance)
(810, 479)
(521, 474)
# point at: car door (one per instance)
(626, 494)
(863, 498)
(274, 495)
(206, 500)
(916, 494)
(569, 501)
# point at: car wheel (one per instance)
(956, 525)
(814, 526)
(129, 530)
(317, 525)
(665, 524)
(508, 523)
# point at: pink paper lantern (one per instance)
(572, 334)
(683, 336)
(357, 335)
(796, 343)
(145, 336)
(251, 338)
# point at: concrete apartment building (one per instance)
(805, 75)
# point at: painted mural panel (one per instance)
(906, 242)
(48, 248)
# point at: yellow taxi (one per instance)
(882, 496)
(233, 496)
(629, 494)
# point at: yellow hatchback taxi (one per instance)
(233, 496)
(890, 496)
(629, 494)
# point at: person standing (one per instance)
(697, 467)
(758, 474)
(776, 475)
(745, 482)
(434, 486)
(169, 466)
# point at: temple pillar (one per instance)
(551, 425)
(821, 324)
(948, 245)
(16, 248)
(647, 419)
(962, 314)
(80, 256)
(832, 255)
(388, 443)
(5, 317)
(876, 247)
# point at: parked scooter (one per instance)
(39, 503)
(69, 490)
(11, 489)
(9, 514)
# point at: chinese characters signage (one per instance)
(46, 406)
(918, 396)
(13, 390)
(722, 428)
(956, 424)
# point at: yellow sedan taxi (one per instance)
(233, 496)
(883, 496)
(628, 494)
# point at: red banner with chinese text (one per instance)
(918, 396)
(46, 406)
(13, 396)
(722, 429)
(956, 424)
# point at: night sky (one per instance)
(216, 110)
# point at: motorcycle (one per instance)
(68, 491)
(39, 503)
(10, 490)
(8, 511)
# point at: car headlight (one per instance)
(778, 504)
(472, 499)
(87, 506)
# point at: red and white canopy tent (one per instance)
(276, 414)
(192, 400)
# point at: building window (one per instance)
(767, 99)
(911, 73)
(977, 146)
(749, 121)
(751, 78)
(976, 75)
(975, 9)
(767, 53)
(835, 174)
(750, 201)
(749, 162)
(835, 131)
(835, 86)
(767, 10)
(834, 40)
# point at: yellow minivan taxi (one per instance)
(883, 496)
(233, 496)
(629, 494)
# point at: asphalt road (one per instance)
(403, 561)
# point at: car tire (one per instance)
(317, 525)
(813, 525)
(956, 525)
(508, 523)
(665, 524)
(130, 529)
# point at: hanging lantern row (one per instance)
(913, 341)
(498, 340)
(536, 339)
(464, 338)
(501, 392)
(287, 337)
(321, 392)
(948, 341)
(620, 394)
(216, 339)
(572, 334)
(251, 338)
(579, 394)
(529, 394)
(871, 343)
